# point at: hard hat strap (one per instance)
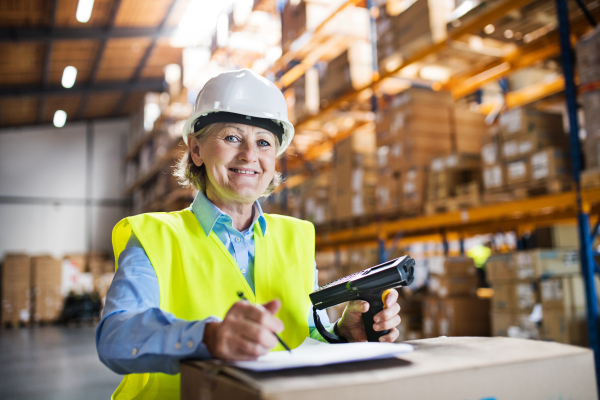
(223, 116)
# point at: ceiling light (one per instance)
(435, 73)
(68, 78)
(172, 73)
(489, 29)
(60, 117)
(84, 10)
(508, 34)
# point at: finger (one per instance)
(358, 306)
(273, 306)
(256, 333)
(242, 349)
(387, 324)
(391, 337)
(391, 298)
(261, 316)
(387, 313)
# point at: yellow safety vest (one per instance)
(198, 277)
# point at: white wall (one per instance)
(43, 185)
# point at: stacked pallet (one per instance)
(452, 307)
(16, 290)
(548, 278)
(46, 274)
(454, 183)
(412, 128)
(527, 157)
(354, 177)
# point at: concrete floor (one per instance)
(53, 363)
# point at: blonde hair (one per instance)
(190, 175)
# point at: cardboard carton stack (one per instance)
(354, 176)
(412, 127)
(453, 183)
(352, 69)
(452, 308)
(402, 32)
(293, 23)
(470, 131)
(47, 280)
(530, 155)
(16, 289)
(513, 279)
(588, 68)
(315, 197)
(303, 96)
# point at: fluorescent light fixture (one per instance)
(60, 117)
(84, 10)
(68, 78)
(435, 73)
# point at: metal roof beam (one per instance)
(144, 60)
(47, 60)
(19, 91)
(48, 35)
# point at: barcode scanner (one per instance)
(370, 285)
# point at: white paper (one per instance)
(314, 353)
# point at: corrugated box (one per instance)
(557, 237)
(464, 316)
(505, 322)
(518, 171)
(413, 184)
(494, 177)
(524, 121)
(521, 295)
(470, 131)
(445, 286)
(431, 308)
(455, 267)
(16, 289)
(511, 267)
(441, 368)
(47, 285)
(550, 163)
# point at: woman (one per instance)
(175, 292)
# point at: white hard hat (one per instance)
(246, 96)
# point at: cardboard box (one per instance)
(550, 262)
(562, 292)
(550, 163)
(464, 316)
(565, 326)
(388, 192)
(494, 177)
(444, 286)
(413, 183)
(523, 121)
(453, 267)
(518, 171)
(515, 323)
(47, 288)
(16, 288)
(556, 237)
(511, 267)
(588, 57)
(521, 295)
(470, 131)
(441, 368)
(431, 308)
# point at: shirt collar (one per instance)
(208, 214)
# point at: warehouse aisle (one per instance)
(53, 363)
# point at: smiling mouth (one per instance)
(239, 171)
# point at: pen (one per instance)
(241, 296)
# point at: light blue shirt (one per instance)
(135, 335)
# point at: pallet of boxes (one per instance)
(588, 68)
(354, 178)
(16, 290)
(452, 307)
(539, 293)
(412, 128)
(526, 155)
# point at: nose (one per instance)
(248, 153)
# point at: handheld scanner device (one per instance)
(370, 285)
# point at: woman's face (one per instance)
(239, 160)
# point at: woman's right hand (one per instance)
(246, 332)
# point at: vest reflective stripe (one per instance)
(198, 277)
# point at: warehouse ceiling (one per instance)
(119, 54)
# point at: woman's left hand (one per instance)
(351, 324)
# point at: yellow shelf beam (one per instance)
(542, 209)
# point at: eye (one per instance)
(263, 143)
(232, 139)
